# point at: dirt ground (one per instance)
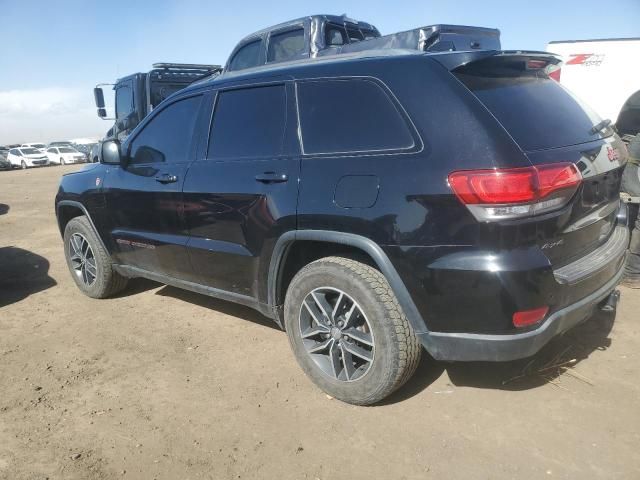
(161, 383)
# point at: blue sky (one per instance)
(53, 53)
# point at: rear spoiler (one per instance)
(455, 60)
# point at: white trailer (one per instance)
(605, 74)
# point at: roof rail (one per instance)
(187, 66)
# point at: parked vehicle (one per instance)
(85, 148)
(38, 146)
(24, 157)
(591, 64)
(321, 35)
(138, 94)
(367, 214)
(94, 153)
(4, 163)
(65, 155)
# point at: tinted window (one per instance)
(68, 150)
(349, 116)
(14, 152)
(247, 57)
(286, 46)
(538, 112)
(167, 137)
(249, 122)
(334, 35)
(369, 34)
(355, 35)
(52, 150)
(124, 101)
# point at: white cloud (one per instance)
(47, 114)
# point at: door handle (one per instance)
(166, 178)
(272, 177)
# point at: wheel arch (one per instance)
(366, 250)
(66, 210)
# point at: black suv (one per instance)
(371, 205)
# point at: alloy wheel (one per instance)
(82, 259)
(336, 334)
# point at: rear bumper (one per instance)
(496, 348)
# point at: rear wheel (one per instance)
(89, 263)
(348, 332)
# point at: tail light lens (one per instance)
(526, 318)
(499, 194)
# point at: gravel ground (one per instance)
(161, 383)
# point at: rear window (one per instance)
(285, 46)
(536, 111)
(247, 57)
(350, 116)
(248, 123)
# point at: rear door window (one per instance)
(348, 116)
(248, 123)
(289, 45)
(537, 111)
(247, 57)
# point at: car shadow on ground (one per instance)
(568, 350)
(221, 306)
(22, 273)
(4, 208)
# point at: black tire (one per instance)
(23, 165)
(396, 351)
(106, 281)
(61, 161)
(631, 175)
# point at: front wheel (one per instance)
(89, 263)
(348, 332)
(23, 165)
(62, 161)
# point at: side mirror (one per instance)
(111, 152)
(102, 112)
(98, 95)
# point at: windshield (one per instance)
(30, 151)
(68, 150)
(38, 145)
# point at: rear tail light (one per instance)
(499, 194)
(526, 318)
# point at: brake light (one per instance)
(526, 318)
(515, 192)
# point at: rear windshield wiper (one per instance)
(598, 127)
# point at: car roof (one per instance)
(301, 68)
(298, 21)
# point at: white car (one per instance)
(38, 146)
(65, 155)
(24, 157)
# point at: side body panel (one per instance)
(235, 218)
